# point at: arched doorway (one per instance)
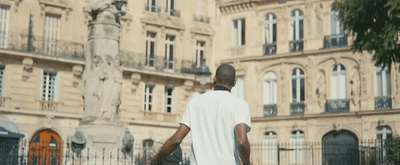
(45, 148)
(340, 148)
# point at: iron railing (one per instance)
(201, 18)
(296, 46)
(153, 8)
(297, 108)
(43, 46)
(364, 152)
(173, 12)
(270, 49)
(270, 110)
(337, 106)
(335, 41)
(383, 103)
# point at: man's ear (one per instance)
(234, 83)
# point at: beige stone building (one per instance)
(294, 65)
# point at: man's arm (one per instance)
(171, 144)
(243, 143)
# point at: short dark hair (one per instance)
(226, 74)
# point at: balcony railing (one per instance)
(297, 108)
(201, 18)
(48, 106)
(335, 41)
(383, 103)
(141, 61)
(337, 106)
(153, 8)
(270, 49)
(173, 12)
(270, 110)
(43, 46)
(296, 45)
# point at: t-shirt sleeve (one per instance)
(243, 116)
(186, 117)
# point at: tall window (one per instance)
(151, 5)
(270, 34)
(238, 89)
(270, 89)
(149, 98)
(150, 49)
(238, 32)
(383, 133)
(169, 99)
(171, 7)
(201, 7)
(49, 86)
(338, 82)
(2, 74)
(296, 31)
(337, 25)
(297, 85)
(200, 53)
(297, 143)
(169, 52)
(4, 18)
(383, 81)
(51, 34)
(270, 148)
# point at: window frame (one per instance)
(46, 86)
(296, 27)
(239, 32)
(4, 25)
(149, 94)
(271, 83)
(270, 20)
(200, 53)
(150, 60)
(336, 77)
(169, 58)
(300, 92)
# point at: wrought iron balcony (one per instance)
(42, 46)
(270, 49)
(297, 108)
(201, 18)
(173, 12)
(296, 45)
(337, 106)
(191, 67)
(335, 41)
(383, 103)
(270, 110)
(141, 61)
(153, 8)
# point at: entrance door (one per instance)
(45, 148)
(340, 148)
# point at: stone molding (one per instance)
(54, 6)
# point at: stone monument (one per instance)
(103, 78)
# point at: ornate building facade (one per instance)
(294, 67)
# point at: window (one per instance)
(383, 81)
(201, 8)
(169, 52)
(171, 8)
(238, 89)
(4, 18)
(338, 82)
(297, 143)
(270, 148)
(149, 98)
(2, 80)
(49, 86)
(200, 54)
(383, 133)
(51, 34)
(270, 89)
(151, 6)
(147, 150)
(150, 49)
(337, 25)
(169, 99)
(296, 31)
(270, 34)
(238, 32)
(297, 85)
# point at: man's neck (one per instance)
(221, 88)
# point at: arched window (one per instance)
(338, 82)
(270, 148)
(296, 32)
(270, 34)
(297, 84)
(383, 133)
(270, 94)
(297, 143)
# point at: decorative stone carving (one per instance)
(127, 143)
(321, 90)
(355, 89)
(336, 126)
(27, 63)
(397, 73)
(77, 72)
(107, 10)
(77, 142)
(57, 6)
(135, 79)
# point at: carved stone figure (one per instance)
(77, 142)
(108, 9)
(127, 143)
(355, 89)
(321, 90)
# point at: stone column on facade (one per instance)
(396, 98)
(103, 78)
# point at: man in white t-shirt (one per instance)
(219, 122)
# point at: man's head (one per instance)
(225, 76)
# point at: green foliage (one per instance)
(375, 25)
(393, 150)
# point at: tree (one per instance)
(374, 25)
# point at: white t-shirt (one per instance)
(212, 118)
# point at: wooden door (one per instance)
(45, 148)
